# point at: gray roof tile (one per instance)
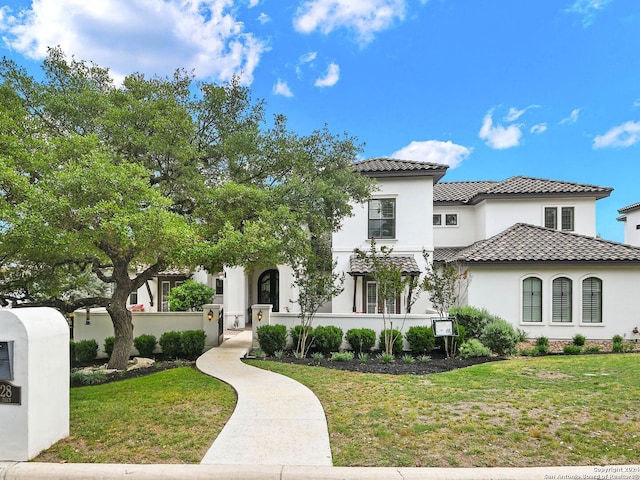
(406, 263)
(629, 208)
(390, 167)
(528, 243)
(473, 192)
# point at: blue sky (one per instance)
(493, 88)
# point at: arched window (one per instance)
(532, 300)
(592, 300)
(561, 305)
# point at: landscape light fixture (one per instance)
(260, 315)
(210, 315)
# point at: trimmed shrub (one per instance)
(617, 339)
(362, 340)
(109, 342)
(617, 347)
(397, 346)
(86, 351)
(296, 335)
(190, 295)
(327, 339)
(500, 337)
(572, 349)
(578, 340)
(455, 343)
(72, 353)
(145, 344)
(473, 319)
(473, 348)
(170, 344)
(421, 340)
(542, 345)
(272, 338)
(192, 344)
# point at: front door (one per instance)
(269, 289)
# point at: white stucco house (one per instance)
(530, 245)
(630, 215)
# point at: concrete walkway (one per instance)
(277, 421)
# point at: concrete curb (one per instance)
(77, 471)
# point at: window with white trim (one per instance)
(437, 219)
(561, 302)
(375, 303)
(567, 218)
(382, 218)
(532, 300)
(592, 300)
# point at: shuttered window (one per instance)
(532, 300)
(592, 300)
(561, 305)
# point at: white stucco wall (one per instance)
(414, 232)
(461, 235)
(632, 228)
(499, 290)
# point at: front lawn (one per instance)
(544, 411)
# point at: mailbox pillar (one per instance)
(34, 381)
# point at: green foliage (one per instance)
(572, 349)
(362, 340)
(408, 359)
(79, 378)
(391, 337)
(473, 348)
(542, 344)
(279, 354)
(617, 339)
(72, 353)
(272, 338)
(108, 345)
(341, 356)
(530, 352)
(296, 336)
(592, 349)
(327, 339)
(522, 335)
(579, 340)
(421, 339)
(445, 284)
(170, 342)
(424, 358)
(317, 356)
(363, 357)
(385, 357)
(617, 347)
(145, 344)
(473, 319)
(500, 337)
(86, 351)
(190, 295)
(192, 344)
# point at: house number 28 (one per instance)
(5, 391)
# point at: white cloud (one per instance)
(304, 59)
(434, 151)
(264, 18)
(365, 17)
(281, 88)
(636, 103)
(499, 137)
(139, 35)
(331, 78)
(621, 136)
(514, 114)
(253, 3)
(539, 128)
(572, 118)
(587, 9)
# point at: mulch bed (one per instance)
(437, 364)
(159, 366)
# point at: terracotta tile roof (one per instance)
(406, 263)
(390, 167)
(528, 243)
(473, 192)
(629, 208)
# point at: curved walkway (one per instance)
(277, 421)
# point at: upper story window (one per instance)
(437, 219)
(566, 218)
(450, 219)
(382, 218)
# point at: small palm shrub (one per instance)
(272, 338)
(542, 345)
(109, 342)
(385, 357)
(408, 359)
(327, 339)
(192, 344)
(473, 348)
(86, 351)
(424, 358)
(395, 336)
(170, 344)
(579, 340)
(421, 340)
(363, 357)
(500, 337)
(361, 339)
(145, 344)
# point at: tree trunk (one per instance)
(123, 330)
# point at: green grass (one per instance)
(167, 417)
(523, 412)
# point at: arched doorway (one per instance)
(269, 289)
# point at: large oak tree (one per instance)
(106, 185)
